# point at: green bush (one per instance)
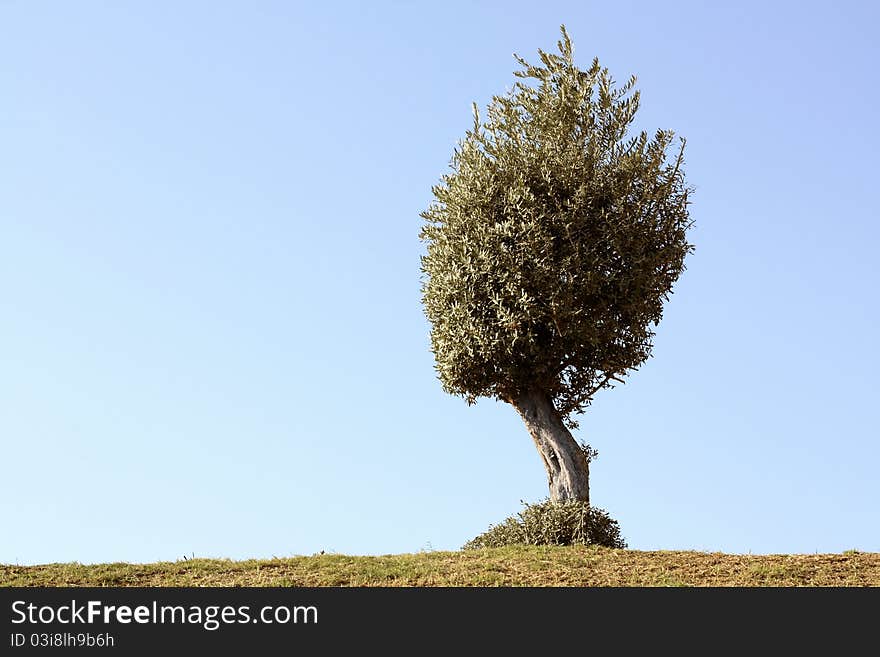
(553, 523)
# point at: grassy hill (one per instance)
(508, 566)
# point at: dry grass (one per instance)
(508, 566)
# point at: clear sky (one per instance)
(211, 333)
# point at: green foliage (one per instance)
(554, 240)
(589, 453)
(553, 523)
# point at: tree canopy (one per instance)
(554, 240)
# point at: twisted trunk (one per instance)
(568, 471)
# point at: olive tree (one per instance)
(551, 246)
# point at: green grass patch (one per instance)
(522, 565)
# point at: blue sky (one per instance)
(211, 335)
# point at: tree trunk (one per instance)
(568, 471)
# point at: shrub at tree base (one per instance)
(553, 523)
